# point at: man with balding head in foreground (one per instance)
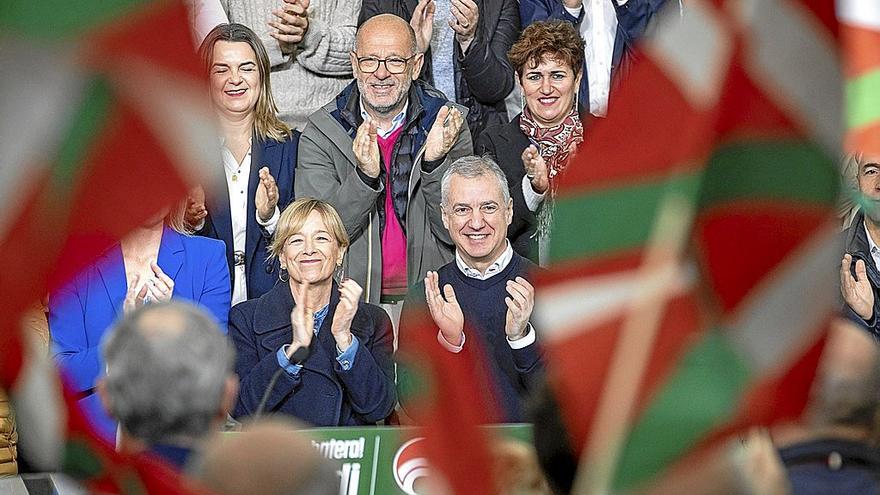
(170, 380)
(377, 153)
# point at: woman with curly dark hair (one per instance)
(538, 144)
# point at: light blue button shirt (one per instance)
(345, 359)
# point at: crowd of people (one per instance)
(373, 157)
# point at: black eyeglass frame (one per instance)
(381, 61)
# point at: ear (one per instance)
(443, 217)
(354, 63)
(417, 65)
(509, 213)
(341, 255)
(577, 79)
(101, 390)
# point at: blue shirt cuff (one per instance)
(290, 368)
(346, 359)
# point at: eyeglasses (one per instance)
(394, 65)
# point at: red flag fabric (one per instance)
(697, 202)
(93, 152)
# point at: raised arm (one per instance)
(542, 10)
(484, 64)
(74, 349)
(317, 176)
(369, 382)
(634, 16)
(432, 170)
(329, 38)
(254, 372)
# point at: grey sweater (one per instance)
(320, 67)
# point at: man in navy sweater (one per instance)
(485, 293)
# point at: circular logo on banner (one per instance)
(410, 465)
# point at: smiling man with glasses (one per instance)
(377, 153)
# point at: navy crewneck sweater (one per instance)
(515, 371)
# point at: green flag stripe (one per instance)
(776, 170)
(80, 461)
(54, 19)
(612, 220)
(86, 123)
(710, 379)
(863, 99)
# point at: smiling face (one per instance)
(549, 90)
(312, 253)
(869, 185)
(477, 219)
(383, 37)
(235, 78)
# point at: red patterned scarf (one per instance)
(557, 146)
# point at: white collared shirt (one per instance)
(238, 199)
(396, 122)
(598, 30)
(496, 267)
(875, 251)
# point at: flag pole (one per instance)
(658, 272)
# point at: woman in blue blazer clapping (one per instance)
(157, 261)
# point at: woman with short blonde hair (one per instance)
(310, 347)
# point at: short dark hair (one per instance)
(551, 39)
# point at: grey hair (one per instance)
(413, 44)
(167, 365)
(470, 167)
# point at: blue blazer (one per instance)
(632, 20)
(280, 158)
(82, 311)
(323, 393)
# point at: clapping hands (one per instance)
(366, 148)
(157, 288)
(444, 308)
(520, 303)
(443, 134)
(291, 24)
(856, 291)
(266, 198)
(536, 169)
(349, 296)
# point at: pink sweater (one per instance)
(393, 238)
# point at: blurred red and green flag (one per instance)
(105, 122)
(689, 286)
(449, 396)
(860, 35)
